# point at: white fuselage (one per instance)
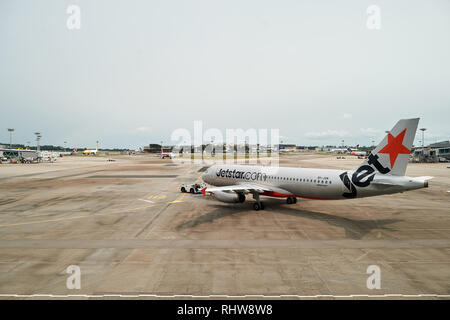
(326, 184)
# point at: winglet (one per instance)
(203, 191)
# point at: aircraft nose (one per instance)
(205, 177)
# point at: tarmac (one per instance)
(133, 234)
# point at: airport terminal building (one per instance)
(435, 152)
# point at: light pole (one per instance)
(423, 134)
(11, 130)
(38, 138)
(423, 141)
(65, 142)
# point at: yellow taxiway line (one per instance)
(179, 199)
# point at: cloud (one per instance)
(327, 134)
(370, 132)
(143, 129)
(347, 116)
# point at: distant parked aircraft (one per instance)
(91, 152)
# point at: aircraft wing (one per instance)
(246, 188)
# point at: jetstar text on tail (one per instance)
(362, 176)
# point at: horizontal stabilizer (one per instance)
(424, 178)
(384, 182)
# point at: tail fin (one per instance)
(392, 154)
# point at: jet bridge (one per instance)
(20, 155)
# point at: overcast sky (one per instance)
(137, 70)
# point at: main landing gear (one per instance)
(291, 200)
(258, 205)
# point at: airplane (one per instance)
(91, 152)
(383, 172)
(286, 150)
(356, 152)
(339, 150)
(169, 155)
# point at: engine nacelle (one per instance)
(229, 197)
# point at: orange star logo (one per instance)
(395, 147)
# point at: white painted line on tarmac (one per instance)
(395, 295)
(149, 201)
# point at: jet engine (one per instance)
(229, 197)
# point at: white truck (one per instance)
(194, 188)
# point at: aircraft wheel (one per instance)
(256, 206)
(295, 199)
(261, 205)
(289, 200)
(183, 189)
(192, 190)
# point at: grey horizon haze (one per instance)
(137, 70)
